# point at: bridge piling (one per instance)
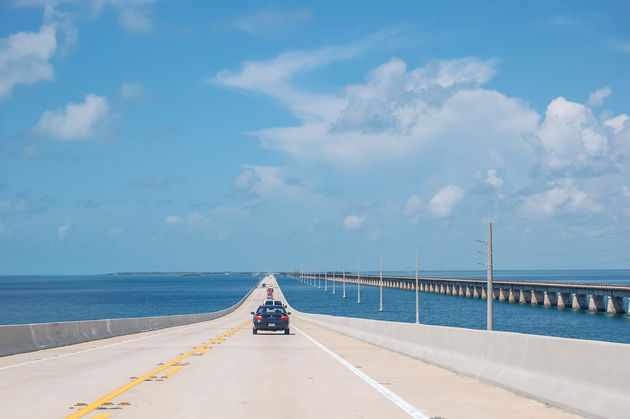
(526, 297)
(615, 305)
(564, 300)
(504, 294)
(579, 302)
(596, 303)
(551, 299)
(538, 298)
(515, 295)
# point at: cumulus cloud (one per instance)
(77, 121)
(62, 231)
(352, 222)
(442, 204)
(24, 58)
(268, 23)
(563, 197)
(570, 134)
(597, 97)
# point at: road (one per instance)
(220, 369)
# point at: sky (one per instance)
(155, 135)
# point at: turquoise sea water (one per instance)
(42, 299)
(444, 310)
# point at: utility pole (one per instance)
(326, 281)
(319, 280)
(381, 283)
(417, 306)
(334, 280)
(344, 282)
(490, 292)
(359, 282)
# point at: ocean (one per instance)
(445, 310)
(42, 299)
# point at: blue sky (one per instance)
(146, 135)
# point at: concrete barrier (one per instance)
(589, 378)
(15, 339)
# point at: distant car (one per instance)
(271, 318)
(269, 292)
(263, 285)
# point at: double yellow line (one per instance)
(96, 404)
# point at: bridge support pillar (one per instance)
(484, 293)
(551, 299)
(564, 300)
(615, 305)
(469, 291)
(515, 296)
(495, 294)
(449, 290)
(442, 289)
(432, 287)
(579, 302)
(462, 291)
(526, 297)
(596, 303)
(504, 294)
(476, 292)
(538, 298)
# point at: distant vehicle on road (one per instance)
(271, 318)
(263, 285)
(269, 292)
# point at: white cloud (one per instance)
(134, 15)
(174, 220)
(352, 222)
(131, 91)
(492, 178)
(617, 123)
(272, 22)
(597, 97)
(24, 58)
(270, 182)
(115, 232)
(414, 207)
(62, 231)
(570, 134)
(444, 201)
(564, 196)
(78, 121)
(396, 113)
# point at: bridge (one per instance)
(592, 297)
(327, 367)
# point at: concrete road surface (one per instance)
(220, 369)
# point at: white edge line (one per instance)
(396, 399)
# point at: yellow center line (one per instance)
(172, 371)
(205, 350)
(94, 405)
